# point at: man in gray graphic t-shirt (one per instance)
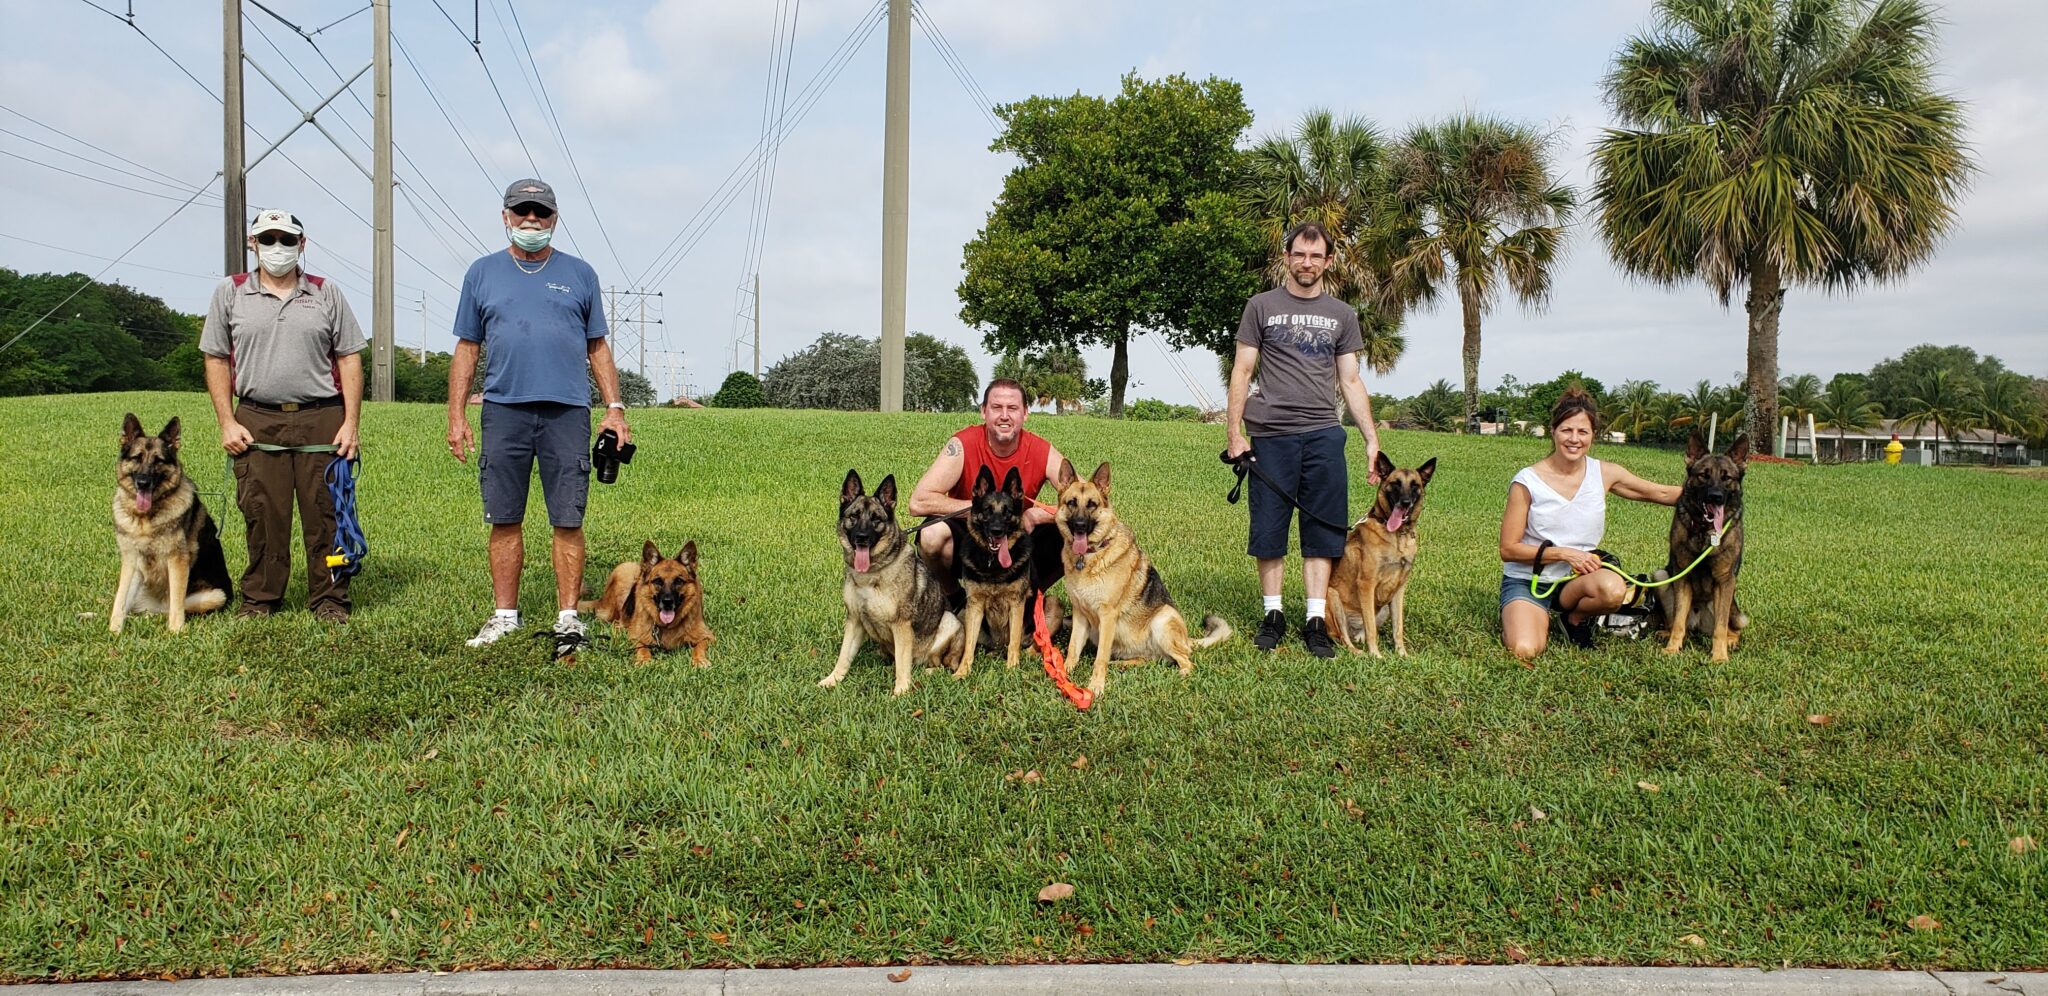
(1303, 345)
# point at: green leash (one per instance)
(1544, 593)
(268, 448)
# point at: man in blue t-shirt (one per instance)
(534, 313)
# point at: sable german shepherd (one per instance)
(1709, 504)
(995, 568)
(891, 596)
(1114, 587)
(171, 560)
(658, 600)
(1370, 582)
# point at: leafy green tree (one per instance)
(950, 384)
(412, 380)
(837, 371)
(1488, 214)
(1118, 220)
(1634, 407)
(1329, 171)
(1845, 407)
(1767, 143)
(1944, 399)
(89, 342)
(2005, 404)
(1543, 397)
(638, 392)
(1706, 405)
(1384, 341)
(1435, 409)
(1894, 380)
(740, 390)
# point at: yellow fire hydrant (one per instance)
(1894, 449)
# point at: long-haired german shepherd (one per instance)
(659, 601)
(171, 560)
(1114, 587)
(1370, 582)
(891, 596)
(1709, 506)
(996, 566)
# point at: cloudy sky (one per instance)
(660, 101)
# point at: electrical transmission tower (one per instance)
(636, 326)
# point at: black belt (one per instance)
(293, 406)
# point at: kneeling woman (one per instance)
(1557, 512)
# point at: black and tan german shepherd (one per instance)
(1117, 594)
(891, 596)
(997, 566)
(1370, 582)
(1709, 508)
(171, 560)
(658, 600)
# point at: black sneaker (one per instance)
(1315, 639)
(1272, 631)
(1580, 633)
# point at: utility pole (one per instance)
(235, 258)
(423, 328)
(757, 326)
(643, 333)
(895, 205)
(382, 292)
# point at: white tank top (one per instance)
(1578, 521)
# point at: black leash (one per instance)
(1249, 463)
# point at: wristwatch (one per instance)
(620, 405)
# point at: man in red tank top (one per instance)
(998, 443)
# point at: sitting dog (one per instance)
(1370, 582)
(996, 567)
(171, 559)
(659, 601)
(1117, 595)
(891, 596)
(1708, 514)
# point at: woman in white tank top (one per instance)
(1561, 501)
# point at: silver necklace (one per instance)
(521, 264)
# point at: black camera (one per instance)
(607, 455)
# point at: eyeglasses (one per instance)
(1308, 257)
(273, 238)
(540, 211)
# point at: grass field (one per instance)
(279, 796)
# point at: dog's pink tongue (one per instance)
(1395, 518)
(1003, 552)
(667, 616)
(860, 559)
(1080, 545)
(143, 500)
(1716, 514)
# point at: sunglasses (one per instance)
(273, 238)
(535, 210)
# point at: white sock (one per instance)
(566, 615)
(510, 614)
(1315, 608)
(1272, 603)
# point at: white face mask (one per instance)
(532, 239)
(278, 260)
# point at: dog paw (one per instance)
(828, 681)
(900, 690)
(1095, 687)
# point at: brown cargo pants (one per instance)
(265, 484)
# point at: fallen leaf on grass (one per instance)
(1055, 892)
(431, 754)
(1079, 763)
(1537, 814)
(2021, 845)
(719, 938)
(1516, 954)
(1649, 787)
(914, 713)
(400, 842)
(1924, 922)
(1353, 808)
(1693, 939)
(1183, 961)
(1820, 718)
(903, 976)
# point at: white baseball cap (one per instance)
(275, 220)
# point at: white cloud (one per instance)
(602, 86)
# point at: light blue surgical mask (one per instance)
(531, 239)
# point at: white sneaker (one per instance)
(494, 628)
(569, 635)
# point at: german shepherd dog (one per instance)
(995, 568)
(1370, 582)
(891, 596)
(1117, 594)
(171, 560)
(1709, 505)
(658, 600)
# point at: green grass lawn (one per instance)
(280, 796)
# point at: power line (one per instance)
(181, 186)
(95, 179)
(106, 259)
(95, 148)
(454, 125)
(954, 62)
(103, 272)
(563, 140)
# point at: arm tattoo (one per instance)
(952, 448)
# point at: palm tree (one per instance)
(2007, 406)
(1384, 340)
(1328, 172)
(1945, 400)
(1846, 405)
(1633, 407)
(1705, 403)
(1436, 408)
(1796, 396)
(1775, 142)
(1480, 205)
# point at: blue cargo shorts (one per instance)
(514, 437)
(1312, 463)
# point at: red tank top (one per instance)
(1028, 459)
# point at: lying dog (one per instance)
(1116, 591)
(891, 596)
(1370, 582)
(171, 559)
(659, 601)
(1708, 514)
(996, 566)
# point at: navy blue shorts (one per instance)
(1312, 464)
(514, 438)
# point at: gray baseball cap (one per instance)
(530, 191)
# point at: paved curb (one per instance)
(1069, 980)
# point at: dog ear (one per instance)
(688, 554)
(171, 433)
(1065, 479)
(1382, 465)
(886, 491)
(1013, 484)
(984, 482)
(1695, 445)
(851, 489)
(131, 429)
(1427, 470)
(1738, 451)
(1101, 478)
(649, 554)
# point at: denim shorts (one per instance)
(1312, 464)
(514, 438)
(1517, 589)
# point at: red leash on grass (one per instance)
(1055, 662)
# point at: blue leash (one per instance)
(350, 546)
